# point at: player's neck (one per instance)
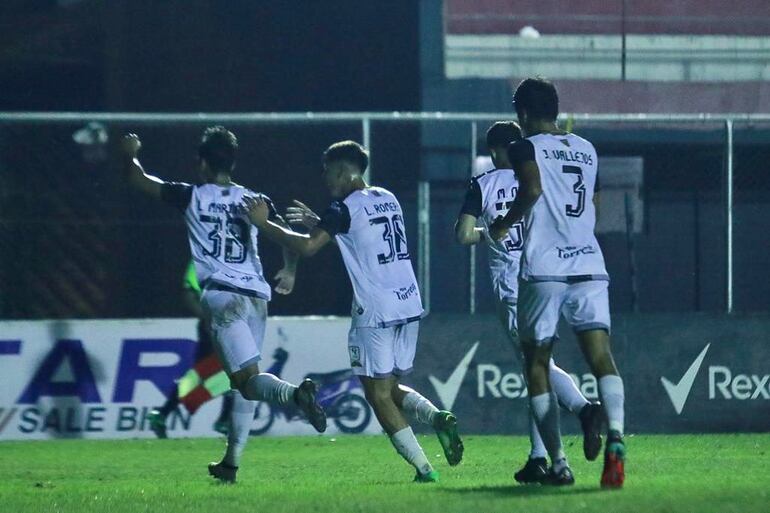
(222, 179)
(357, 184)
(536, 127)
(502, 164)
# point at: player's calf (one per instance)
(443, 422)
(263, 386)
(379, 393)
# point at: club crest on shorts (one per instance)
(355, 356)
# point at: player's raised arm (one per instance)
(304, 245)
(137, 178)
(522, 155)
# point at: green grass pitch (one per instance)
(685, 473)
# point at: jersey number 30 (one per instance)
(394, 235)
(235, 235)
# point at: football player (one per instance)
(562, 269)
(488, 197)
(367, 224)
(235, 293)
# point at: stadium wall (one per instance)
(100, 379)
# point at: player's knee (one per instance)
(378, 393)
(240, 379)
(536, 357)
(238, 383)
(397, 393)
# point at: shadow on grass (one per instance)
(530, 491)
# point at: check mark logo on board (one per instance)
(447, 390)
(681, 391)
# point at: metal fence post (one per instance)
(729, 211)
(472, 263)
(366, 139)
(423, 240)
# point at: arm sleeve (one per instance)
(472, 203)
(176, 194)
(521, 151)
(336, 219)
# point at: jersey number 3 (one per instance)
(579, 188)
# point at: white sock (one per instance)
(535, 440)
(613, 397)
(565, 388)
(241, 417)
(546, 411)
(266, 387)
(418, 406)
(409, 449)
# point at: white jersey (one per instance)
(369, 228)
(490, 195)
(223, 242)
(559, 240)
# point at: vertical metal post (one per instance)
(729, 210)
(472, 263)
(423, 240)
(623, 41)
(366, 136)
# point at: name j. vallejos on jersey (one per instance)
(569, 156)
(573, 251)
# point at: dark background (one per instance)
(75, 242)
(209, 56)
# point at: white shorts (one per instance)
(237, 327)
(383, 352)
(584, 305)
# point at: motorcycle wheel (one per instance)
(352, 413)
(263, 418)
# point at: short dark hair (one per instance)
(538, 97)
(502, 133)
(218, 146)
(347, 151)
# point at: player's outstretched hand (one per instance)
(498, 230)
(256, 209)
(302, 215)
(131, 144)
(285, 279)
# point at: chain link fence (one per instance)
(76, 242)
